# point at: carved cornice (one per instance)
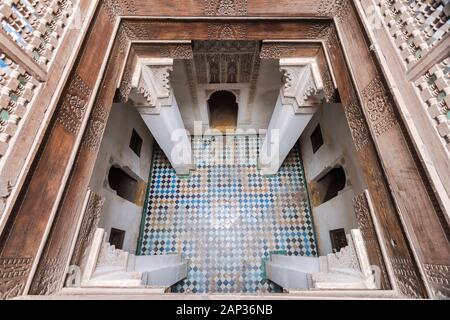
(302, 83)
(357, 124)
(150, 85)
(13, 276)
(378, 107)
(225, 7)
(74, 104)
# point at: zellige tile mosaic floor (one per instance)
(226, 218)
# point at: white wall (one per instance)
(117, 212)
(251, 116)
(338, 149)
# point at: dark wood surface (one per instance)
(415, 241)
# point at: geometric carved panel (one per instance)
(13, 276)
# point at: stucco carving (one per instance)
(182, 51)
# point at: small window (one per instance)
(338, 239)
(316, 139)
(116, 238)
(125, 186)
(136, 143)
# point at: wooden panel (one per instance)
(31, 215)
(414, 199)
(57, 248)
(224, 8)
(33, 211)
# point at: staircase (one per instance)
(108, 267)
(346, 269)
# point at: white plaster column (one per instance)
(153, 96)
(300, 96)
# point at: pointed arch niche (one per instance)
(223, 110)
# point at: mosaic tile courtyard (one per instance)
(226, 218)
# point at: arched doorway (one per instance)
(223, 110)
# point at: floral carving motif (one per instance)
(74, 104)
(225, 7)
(227, 32)
(95, 127)
(378, 106)
(357, 124)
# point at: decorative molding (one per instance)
(95, 128)
(190, 72)
(125, 85)
(276, 51)
(406, 277)
(48, 277)
(334, 8)
(88, 226)
(181, 51)
(302, 84)
(227, 31)
(439, 275)
(357, 124)
(140, 31)
(319, 31)
(225, 7)
(378, 106)
(13, 276)
(74, 104)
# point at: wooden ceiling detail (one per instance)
(225, 61)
